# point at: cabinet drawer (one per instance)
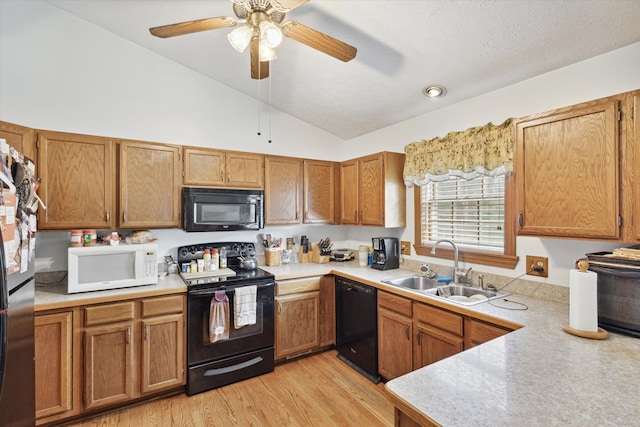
(394, 303)
(163, 305)
(441, 319)
(294, 286)
(108, 313)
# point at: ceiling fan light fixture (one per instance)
(266, 53)
(434, 91)
(240, 38)
(270, 34)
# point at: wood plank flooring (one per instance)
(318, 390)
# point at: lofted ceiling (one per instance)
(471, 47)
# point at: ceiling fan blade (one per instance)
(259, 70)
(286, 5)
(189, 27)
(319, 41)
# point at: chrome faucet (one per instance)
(457, 272)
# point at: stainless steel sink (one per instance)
(459, 294)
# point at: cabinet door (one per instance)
(163, 347)
(77, 181)
(53, 362)
(150, 185)
(566, 167)
(394, 344)
(297, 323)
(204, 167)
(634, 135)
(21, 138)
(477, 332)
(327, 311)
(108, 365)
(371, 191)
(432, 345)
(319, 192)
(245, 170)
(283, 190)
(349, 185)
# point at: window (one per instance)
(471, 213)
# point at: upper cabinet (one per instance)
(19, 137)
(149, 185)
(373, 190)
(319, 192)
(632, 166)
(78, 179)
(204, 167)
(567, 171)
(81, 178)
(283, 190)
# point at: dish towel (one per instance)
(245, 306)
(219, 317)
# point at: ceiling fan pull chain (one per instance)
(270, 78)
(259, 97)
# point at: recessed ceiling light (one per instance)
(434, 91)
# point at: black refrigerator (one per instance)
(18, 203)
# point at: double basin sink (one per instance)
(460, 294)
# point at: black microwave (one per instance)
(216, 209)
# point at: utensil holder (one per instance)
(272, 256)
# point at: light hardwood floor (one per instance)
(318, 390)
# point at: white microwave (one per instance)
(96, 268)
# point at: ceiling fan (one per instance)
(262, 31)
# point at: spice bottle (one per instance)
(214, 259)
(223, 257)
(207, 260)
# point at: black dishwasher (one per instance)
(357, 326)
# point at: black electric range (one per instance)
(235, 250)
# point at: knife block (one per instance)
(305, 257)
(316, 257)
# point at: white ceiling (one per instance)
(471, 47)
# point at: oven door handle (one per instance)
(206, 292)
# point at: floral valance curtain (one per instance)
(482, 150)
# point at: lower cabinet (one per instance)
(54, 365)
(395, 335)
(124, 351)
(305, 315)
(414, 334)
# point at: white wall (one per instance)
(61, 73)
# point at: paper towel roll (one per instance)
(583, 300)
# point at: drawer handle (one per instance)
(407, 332)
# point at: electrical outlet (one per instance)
(405, 248)
(536, 263)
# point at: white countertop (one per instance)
(535, 376)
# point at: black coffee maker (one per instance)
(386, 253)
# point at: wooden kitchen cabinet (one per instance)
(283, 190)
(53, 335)
(78, 181)
(327, 311)
(297, 328)
(438, 334)
(373, 191)
(19, 137)
(395, 335)
(319, 178)
(149, 185)
(108, 339)
(163, 357)
(567, 171)
(205, 167)
(477, 332)
(632, 163)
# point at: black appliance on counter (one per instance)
(386, 253)
(248, 351)
(618, 291)
(357, 326)
(220, 209)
